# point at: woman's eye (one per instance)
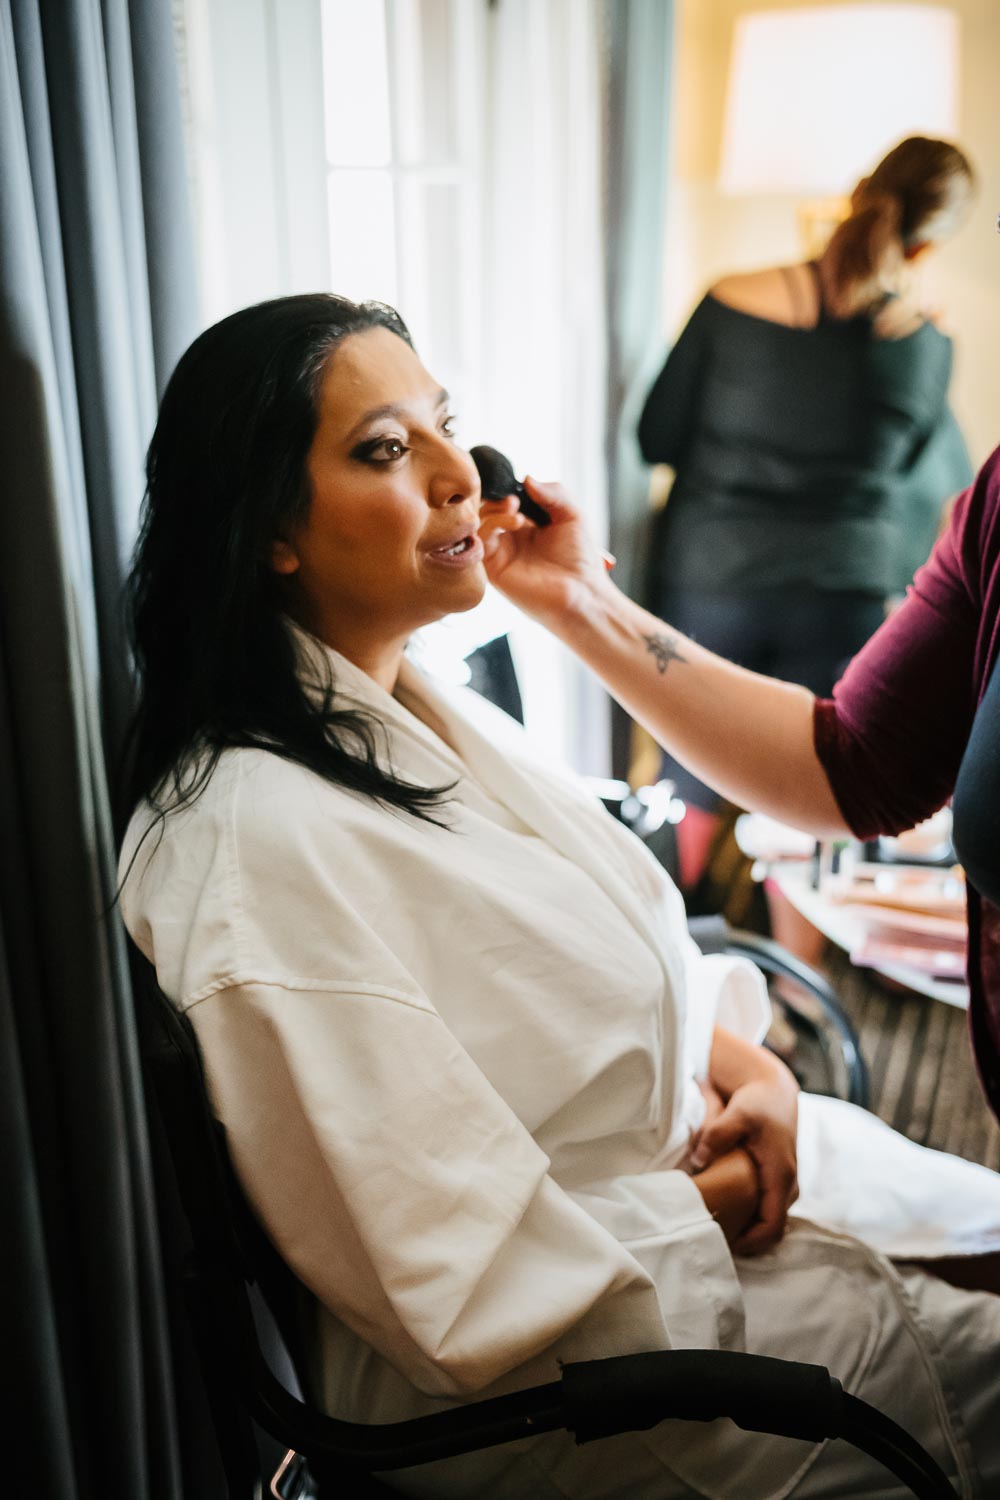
(449, 426)
(383, 450)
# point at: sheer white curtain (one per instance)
(478, 140)
(544, 367)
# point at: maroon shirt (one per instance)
(891, 739)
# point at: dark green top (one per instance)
(815, 457)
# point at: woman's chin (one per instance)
(467, 595)
(462, 593)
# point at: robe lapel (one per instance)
(578, 834)
(495, 759)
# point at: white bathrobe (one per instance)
(457, 1066)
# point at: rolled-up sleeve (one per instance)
(891, 738)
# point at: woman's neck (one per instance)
(378, 658)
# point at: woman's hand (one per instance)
(731, 1190)
(760, 1115)
(545, 570)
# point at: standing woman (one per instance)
(804, 411)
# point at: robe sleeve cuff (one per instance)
(661, 1219)
(723, 991)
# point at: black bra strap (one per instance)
(802, 312)
(822, 316)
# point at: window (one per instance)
(400, 149)
(403, 160)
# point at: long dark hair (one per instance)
(226, 474)
(918, 193)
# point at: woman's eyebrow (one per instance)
(394, 409)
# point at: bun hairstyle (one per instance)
(916, 195)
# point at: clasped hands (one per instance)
(743, 1158)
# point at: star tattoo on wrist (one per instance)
(663, 648)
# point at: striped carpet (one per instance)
(923, 1079)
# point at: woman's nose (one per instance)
(456, 479)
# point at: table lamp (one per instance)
(816, 96)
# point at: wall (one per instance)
(709, 235)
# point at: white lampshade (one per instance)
(816, 96)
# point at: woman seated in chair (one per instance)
(491, 1105)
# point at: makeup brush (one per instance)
(496, 474)
(498, 480)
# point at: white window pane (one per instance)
(430, 276)
(356, 83)
(423, 79)
(362, 236)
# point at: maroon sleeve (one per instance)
(892, 737)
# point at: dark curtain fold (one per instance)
(639, 62)
(97, 299)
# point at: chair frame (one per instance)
(714, 935)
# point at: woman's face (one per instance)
(390, 540)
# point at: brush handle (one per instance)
(496, 473)
(529, 507)
(499, 480)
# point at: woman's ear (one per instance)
(284, 558)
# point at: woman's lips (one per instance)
(461, 553)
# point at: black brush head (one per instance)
(498, 480)
(496, 472)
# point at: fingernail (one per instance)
(700, 1159)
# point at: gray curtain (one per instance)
(640, 37)
(97, 299)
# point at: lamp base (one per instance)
(818, 218)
